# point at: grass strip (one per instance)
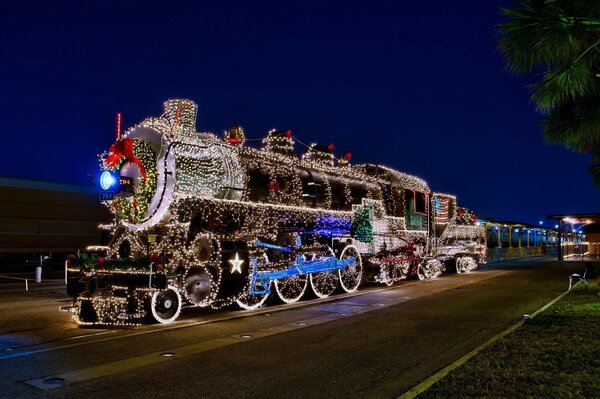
(554, 355)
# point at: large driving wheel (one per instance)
(291, 289)
(251, 302)
(324, 283)
(165, 305)
(200, 286)
(351, 275)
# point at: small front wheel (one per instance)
(165, 305)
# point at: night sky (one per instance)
(420, 87)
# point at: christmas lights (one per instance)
(212, 222)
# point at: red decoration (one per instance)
(101, 264)
(233, 140)
(118, 126)
(124, 148)
(288, 134)
(348, 156)
(331, 147)
(273, 186)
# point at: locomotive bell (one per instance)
(235, 136)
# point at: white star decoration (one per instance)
(236, 264)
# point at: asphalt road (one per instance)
(377, 344)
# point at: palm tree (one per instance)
(559, 42)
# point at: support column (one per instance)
(499, 232)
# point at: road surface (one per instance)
(377, 343)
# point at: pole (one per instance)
(558, 237)
(38, 272)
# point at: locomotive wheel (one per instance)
(324, 283)
(431, 268)
(388, 275)
(465, 264)
(351, 275)
(436, 268)
(199, 286)
(291, 289)
(248, 302)
(165, 305)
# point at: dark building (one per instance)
(39, 217)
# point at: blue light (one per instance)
(330, 225)
(107, 180)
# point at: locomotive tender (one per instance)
(210, 222)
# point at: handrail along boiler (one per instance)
(224, 223)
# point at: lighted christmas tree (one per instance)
(362, 224)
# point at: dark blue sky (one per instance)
(416, 86)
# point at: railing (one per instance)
(578, 249)
(502, 254)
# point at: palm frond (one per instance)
(561, 86)
(595, 172)
(575, 125)
(538, 35)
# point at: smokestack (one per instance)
(182, 115)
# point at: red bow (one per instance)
(124, 148)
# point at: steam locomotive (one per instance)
(210, 222)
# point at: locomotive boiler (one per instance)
(211, 222)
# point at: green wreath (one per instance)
(134, 208)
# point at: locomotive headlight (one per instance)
(107, 180)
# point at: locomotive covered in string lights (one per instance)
(211, 222)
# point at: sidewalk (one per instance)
(8, 286)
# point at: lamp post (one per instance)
(498, 234)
